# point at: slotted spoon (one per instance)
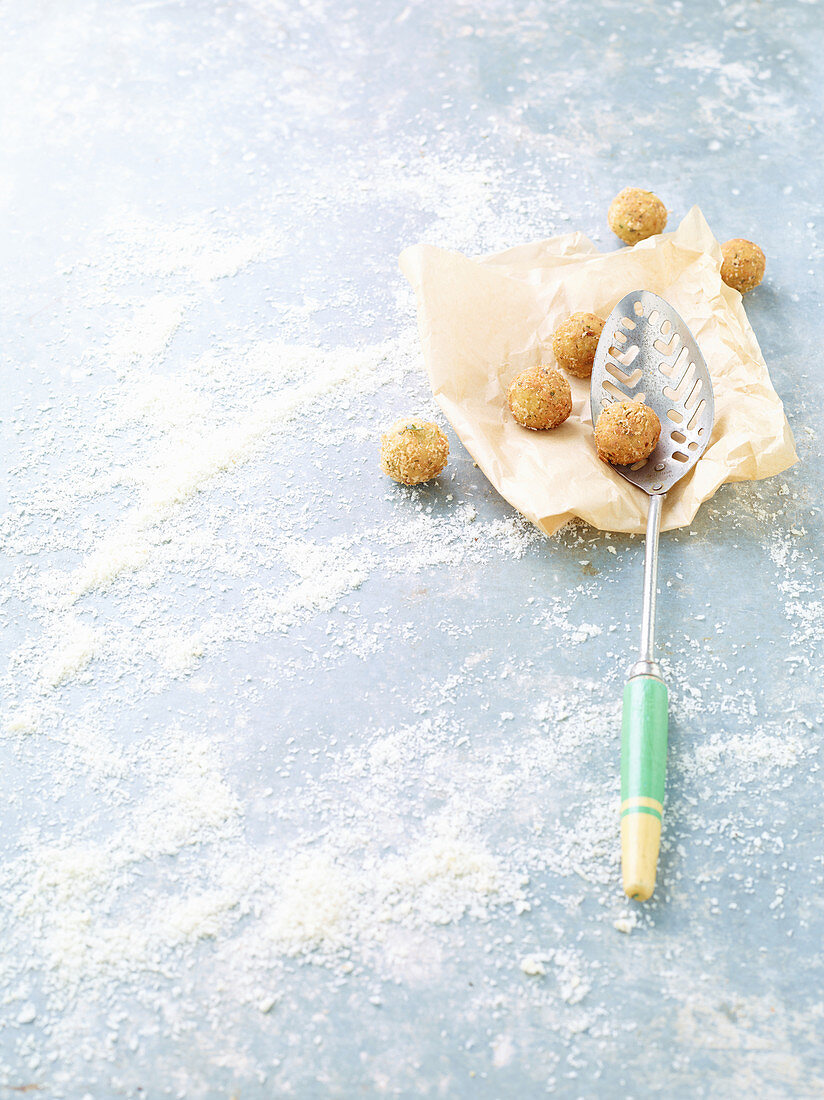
(647, 353)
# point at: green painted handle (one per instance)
(644, 743)
(643, 770)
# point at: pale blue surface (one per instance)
(152, 107)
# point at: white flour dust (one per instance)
(204, 558)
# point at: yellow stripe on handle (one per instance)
(642, 806)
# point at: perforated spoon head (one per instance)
(647, 353)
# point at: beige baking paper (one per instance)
(482, 321)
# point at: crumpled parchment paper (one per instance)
(482, 321)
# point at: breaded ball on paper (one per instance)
(574, 342)
(626, 432)
(413, 450)
(540, 398)
(635, 215)
(744, 264)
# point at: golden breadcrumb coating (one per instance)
(626, 432)
(540, 398)
(744, 264)
(413, 450)
(635, 215)
(574, 342)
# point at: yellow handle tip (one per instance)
(638, 891)
(640, 841)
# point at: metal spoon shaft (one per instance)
(647, 664)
